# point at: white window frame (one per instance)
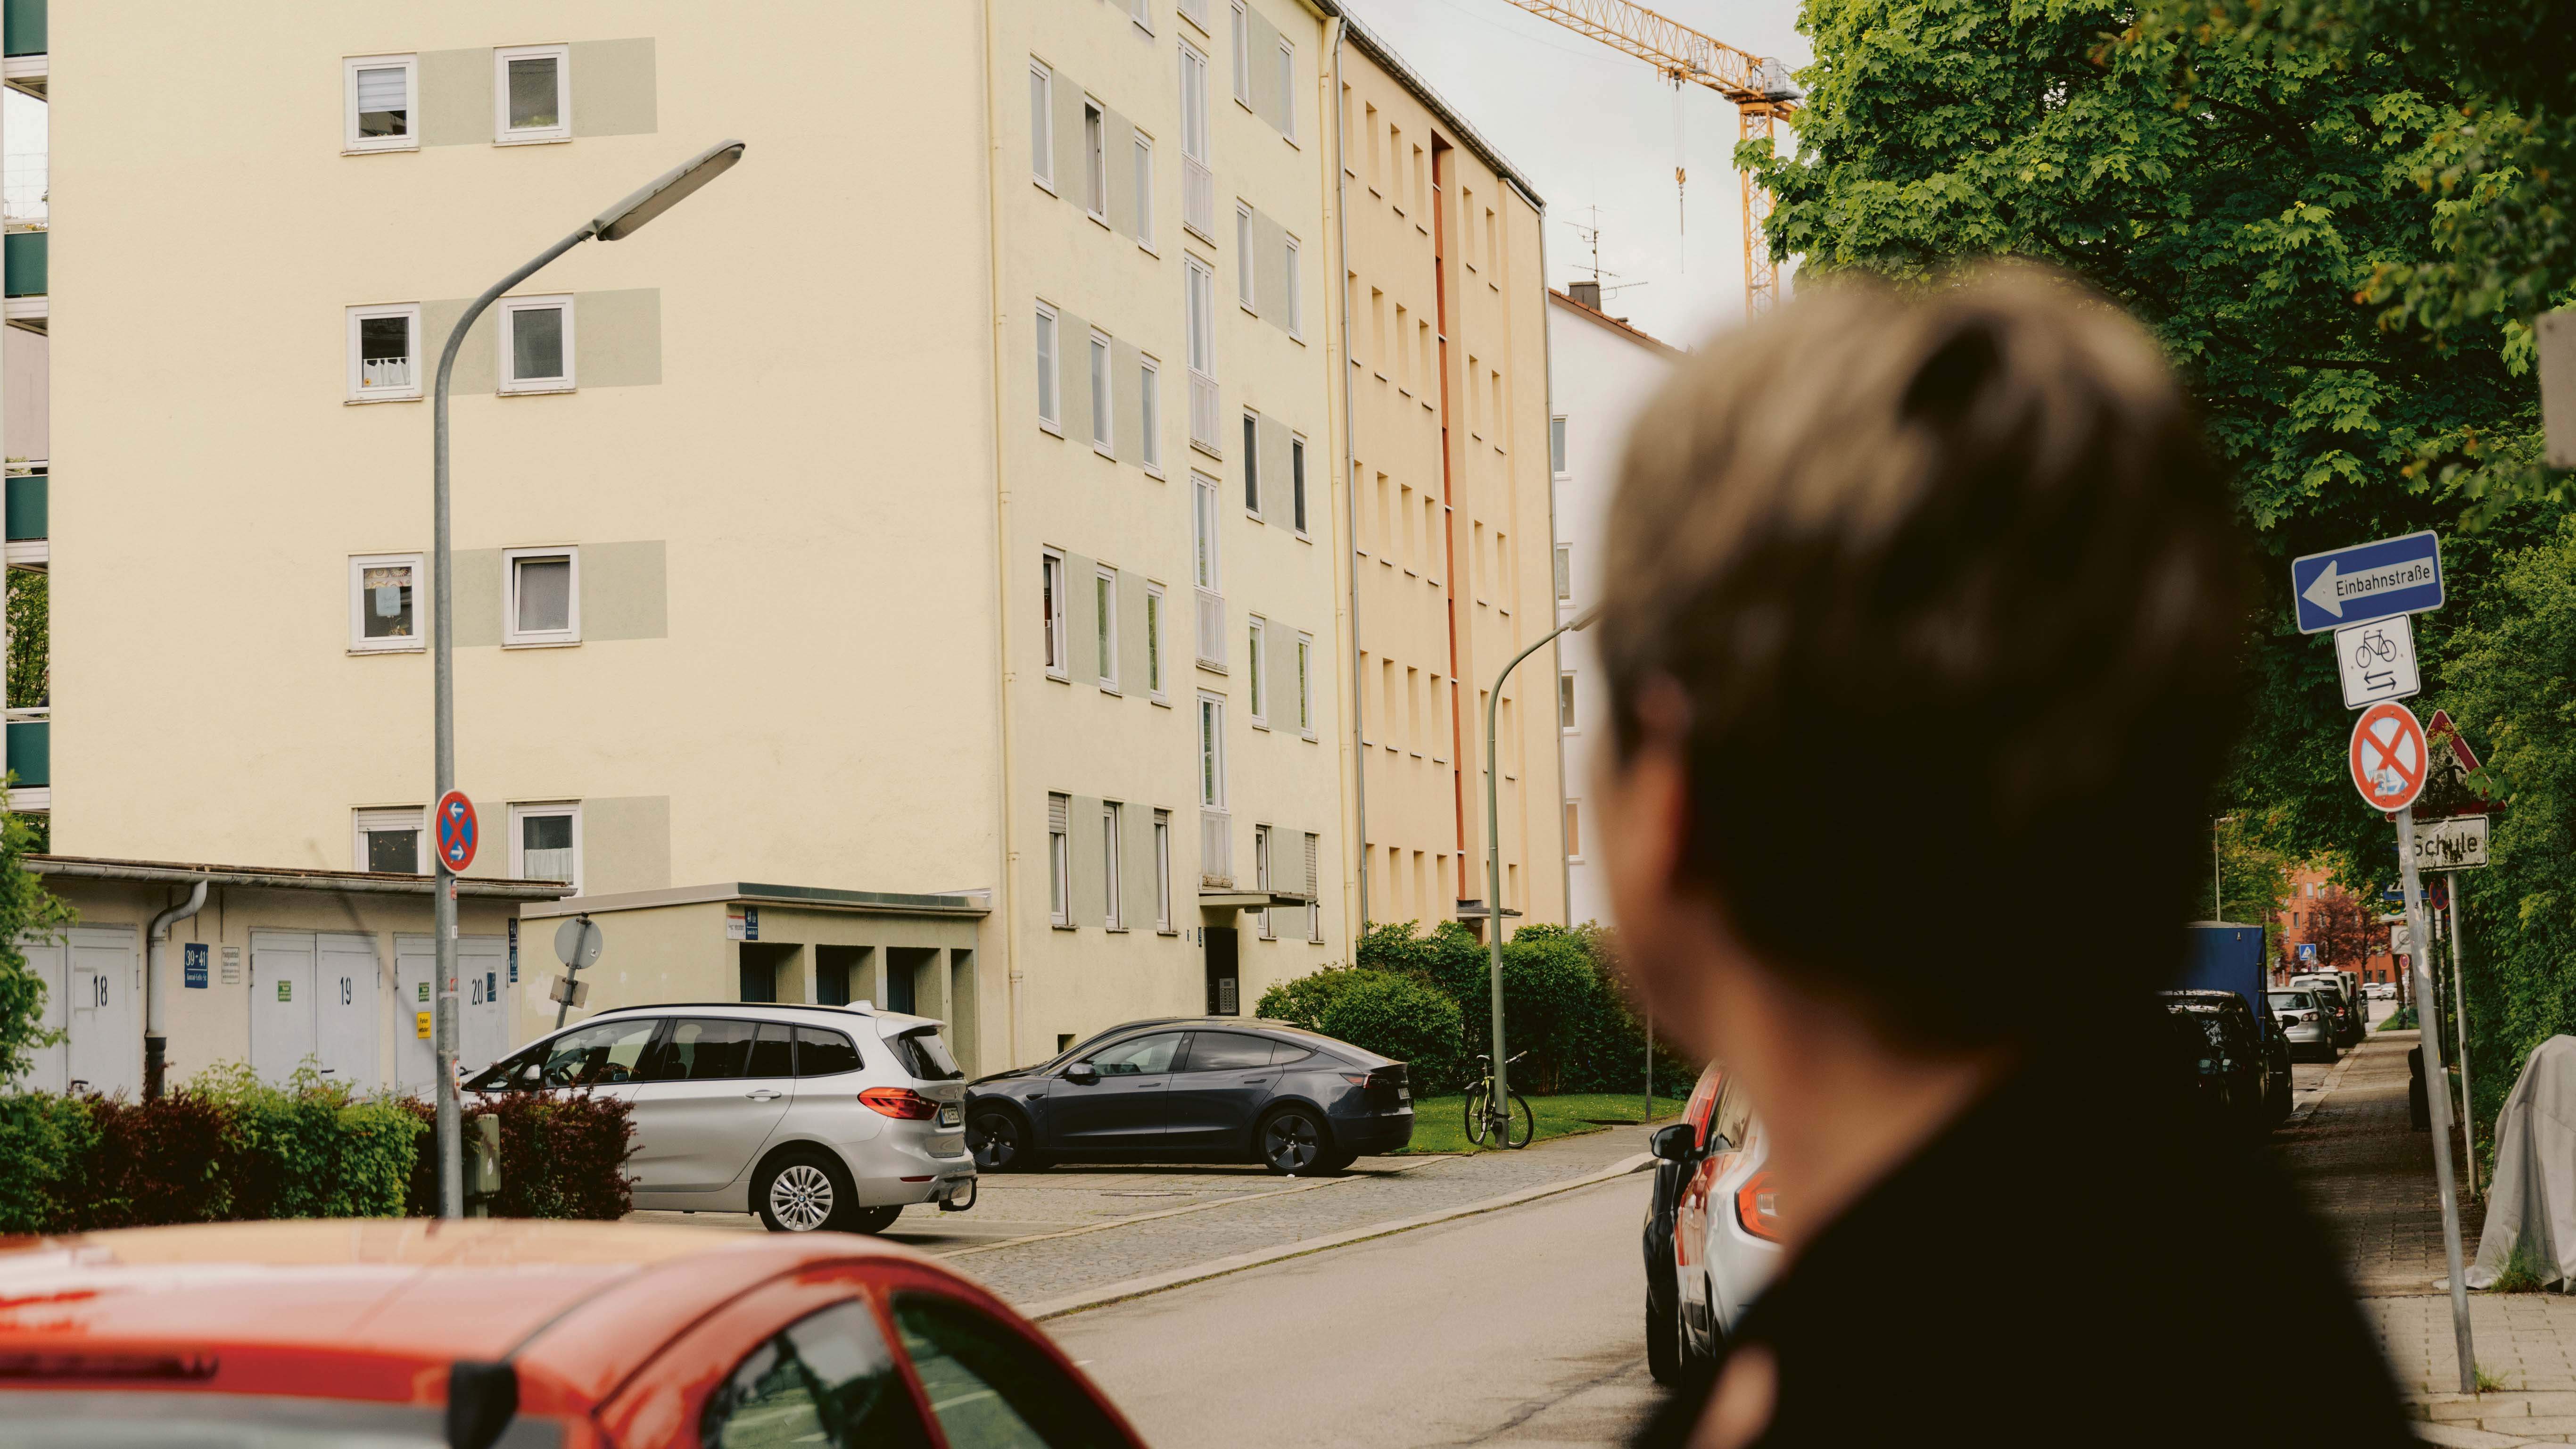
(1564, 572)
(1568, 720)
(1142, 12)
(1261, 878)
(1143, 159)
(512, 636)
(1113, 903)
(1058, 647)
(1095, 159)
(1252, 499)
(1246, 290)
(1241, 45)
(1105, 630)
(1211, 743)
(1556, 445)
(1050, 349)
(1059, 861)
(1297, 483)
(1194, 127)
(1207, 562)
(358, 391)
(1149, 401)
(1288, 90)
(1256, 668)
(1306, 686)
(418, 639)
(1042, 124)
(502, 134)
(1157, 609)
(1163, 871)
(1292, 303)
(510, 308)
(394, 818)
(518, 835)
(353, 144)
(1104, 395)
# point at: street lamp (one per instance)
(1494, 861)
(616, 223)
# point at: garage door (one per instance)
(313, 997)
(483, 1022)
(92, 979)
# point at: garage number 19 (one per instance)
(346, 994)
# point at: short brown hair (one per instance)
(1950, 584)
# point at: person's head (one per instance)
(1921, 632)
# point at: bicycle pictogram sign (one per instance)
(2388, 756)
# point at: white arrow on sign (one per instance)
(2321, 591)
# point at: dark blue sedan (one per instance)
(1194, 1089)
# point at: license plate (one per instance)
(951, 1115)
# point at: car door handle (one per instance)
(765, 1094)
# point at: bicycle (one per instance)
(1511, 1126)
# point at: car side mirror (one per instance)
(1675, 1143)
(532, 1075)
(1082, 1074)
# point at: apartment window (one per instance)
(1162, 870)
(1314, 894)
(1051, 597)
(1198, 185)
(1211, 752)
(1261, 877)
(1203, 533)
(1565, 571)
(545, 843)
(1297, 482)
(1244, 291)
(1154, 642)
(384, 603)
(536, 344)
(1199, 294)
(378, 96)
(1142, 13)
(1254, 660)
(1101, 411)
(1306, 685)
(1293, 309)
(1104, 610)
(389, 840)
(1149, 411)
(1059, 860)
(384, 352)
(1145, 191)
(532, 94)
(1565, 701)
(1048, 394)
(1252, 464)
(1556, 445)
(544, 603)
(1113, 911)
(1041, 125)
(1288, 90)
(1242, 54)
(1573, 830)
(1095, 159)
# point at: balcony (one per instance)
(1198, 198)
(28, 545)
(1205, 429)
(1216, 845)
(26, 263)
(31, 753)
(22, 35)
(1211, 630)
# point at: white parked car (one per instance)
(2380, 991)
(811, 1116)
(1726, 1227)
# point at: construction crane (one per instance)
(1759, 88)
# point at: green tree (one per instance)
(28, 912)
(30, 659)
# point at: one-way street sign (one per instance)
(2368, 581)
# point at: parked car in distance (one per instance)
(1726, 1222)
(810, 1116)
(1677, 1149)
(1219, 1088)
(2380, 991)
(2257, 1063)
(2332, 997)
(525, 1333)
(2304, 1021)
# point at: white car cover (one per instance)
(2532, 1202)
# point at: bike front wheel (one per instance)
(1519, 1124)
(1479, 1118)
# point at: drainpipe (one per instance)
(1009, 893)
(156, 946)
(1350, 482)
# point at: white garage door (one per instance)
(48, 1067)
(483, 1022)
(281, 1002)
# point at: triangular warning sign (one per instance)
(2447, 791)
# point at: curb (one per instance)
(1131, 1219)
(1219, 1267)
(2326, 1088)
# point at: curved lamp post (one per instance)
(1494, 853)
(616, 223)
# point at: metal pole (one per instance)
(2428, 1030)
(1494, 864)
(451, 1142)
(2460, 1017)
(2217, 909)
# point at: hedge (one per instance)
(228, 1147)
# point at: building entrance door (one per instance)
(1224, 978)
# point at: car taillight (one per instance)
(1757, 1207)
(901, 1102)
(2307, 1016)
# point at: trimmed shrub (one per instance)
(176, 1160)
(563, 1155)
(310, 1149)
(1403, 1018)
(44, 1139)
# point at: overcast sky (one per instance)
(1591, 128)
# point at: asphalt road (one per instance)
(1520, 1327)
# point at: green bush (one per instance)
(1302, 1001)
(176, 1160)
(563, 1155)
(1404, 1018)
(44, 1140)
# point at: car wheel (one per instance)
(1663, 1339)
(1293, 1142)
(803, 1192)
(1002, 1141)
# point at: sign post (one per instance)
(2389, 762)
(577, 943)
(458, 834)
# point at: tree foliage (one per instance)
(28, 912)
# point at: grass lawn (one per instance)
(1440, 1123)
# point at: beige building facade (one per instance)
(1450, 524)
